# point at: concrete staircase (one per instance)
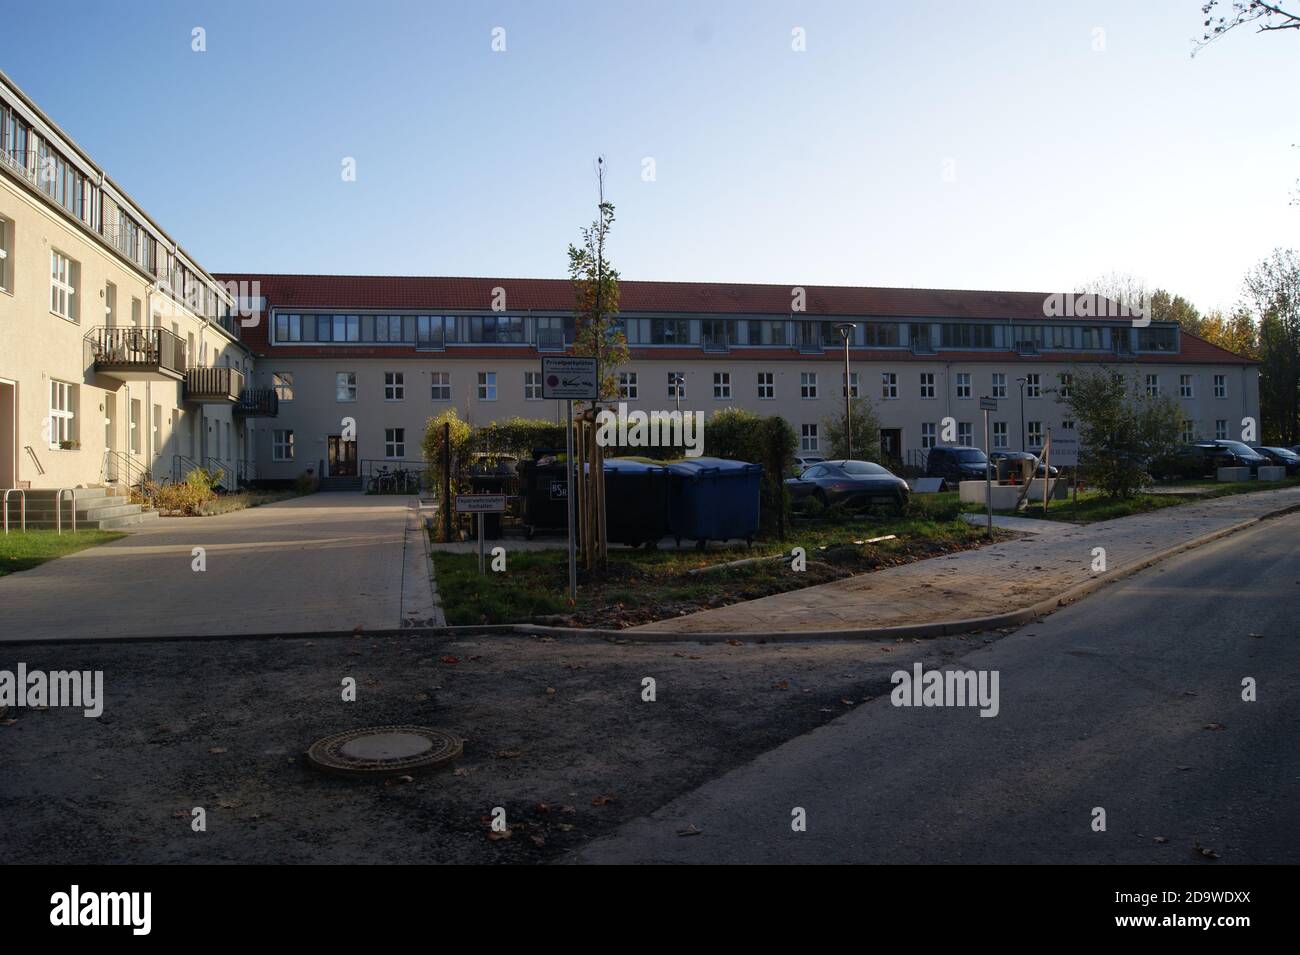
(340, 484)
(98, 508)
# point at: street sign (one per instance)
(480, 503)
(568, 377)
(988, 404)
(1065, 451)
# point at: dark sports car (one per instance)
(851, 483)
(1284, 457)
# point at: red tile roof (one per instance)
(446, 294)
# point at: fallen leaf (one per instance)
(1203, 851)
(550, 691)
(781, 685)
(508, 753)
(450, 660)
(497, 836)
(1214, 726)
(538, 841)
(217, 749)
(602, 800)
(691, 830)
(735, 643)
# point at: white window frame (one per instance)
(487, 386)
(853, 385)
(1189, 431)
(628, 389)
(1033, 430)
(1186, 386)
(1001, 435)
(964, 389)
(394, 386)
(394, 443)
(929, 435)
(1033, 385)
(532, 386)
(63, 289)
(282, 382)
(1220, 429)
(282, 444)
(809, 440)
(1220, 386)
(63, 413)
(808, 385)
(927, 386)
(439, 380)
(676, 384)
(889, 386)
(766, 386)
(1153, 386)
(722, 386)
(345, 382)
(1066, 386)
(999, 385)
(965, 433)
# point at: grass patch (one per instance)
(641, 586)
(20, 551)
(1093, 506)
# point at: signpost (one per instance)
(568, 378)
(987, 405)
(480, 504)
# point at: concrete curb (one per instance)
(1013, 618)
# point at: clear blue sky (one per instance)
(825, 166)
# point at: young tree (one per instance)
(866, 432)
(595, 289)
(1121, 429)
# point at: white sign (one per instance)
(1065, 452)
(567, 377)
(988, 404)
(480, 503)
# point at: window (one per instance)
(999, 385)
(345, 386)
(394, 442)
(808, 437)
(627, 388)
(487, 386)
(6, 230)
(1157, 338)
(1189, 431)
(1067, 425)
(965, 432)
(1034, 434)
(928, 431)
(63, 413)
(670, 331)
(676, 385)
(63, 285)
(1185, 387)
(853, 384)
(440, 386)
(966, 336)
(282, 445)
(1220, 386)
(808, 384)
(963, 384)
(282, 382)
(880, 334)
(1033, 386)
(927, 384)
(532, 386)
(717, 332)
(1067, 382)
(1221, 429)
(1153, 386)
(288, 328)
(999, 434)
(766, 385)
(394, 386)
(722, 384)
(888, 384)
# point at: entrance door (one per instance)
(342, 457)
(891, 443)
(110, 436)
(8, 434)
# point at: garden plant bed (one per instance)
(642, 586)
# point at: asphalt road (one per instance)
(1115, 702)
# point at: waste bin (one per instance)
(714, 499)
(493, 475)
(544, 489)
(636, 502)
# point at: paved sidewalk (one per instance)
(979, 583)
(328, 561)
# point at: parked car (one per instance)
(953, 464)
(851, 483)
(1204, 459)
(997, 456)
(1283, 457)
(802, 462)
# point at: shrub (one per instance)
(769, 441)
(935, 507)
(306, 483)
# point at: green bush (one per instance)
(770, 441)
(306, 483)
(934, 507)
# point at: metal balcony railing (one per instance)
(117, 348)
(214, 384)
(258, 403)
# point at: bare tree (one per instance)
(1267, 18)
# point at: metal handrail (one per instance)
(218, 470)
(127, 463)
(72, 506)
(22, 502)
(128, 345)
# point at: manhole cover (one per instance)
(384, 750)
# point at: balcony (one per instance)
(214, 386)
(137, 354)
(258, 403)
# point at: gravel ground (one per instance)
(224, 725)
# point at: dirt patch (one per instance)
(556, 732)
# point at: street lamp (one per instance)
(1021, 382)
(678, 380)
(846, 330)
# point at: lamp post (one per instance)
(678, 380)
(1021, 383)
(846, 330)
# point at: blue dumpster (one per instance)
(636, 502)
(714, 499)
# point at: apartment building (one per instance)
(359, 363)
(119, 355)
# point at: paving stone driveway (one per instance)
(321, 562)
